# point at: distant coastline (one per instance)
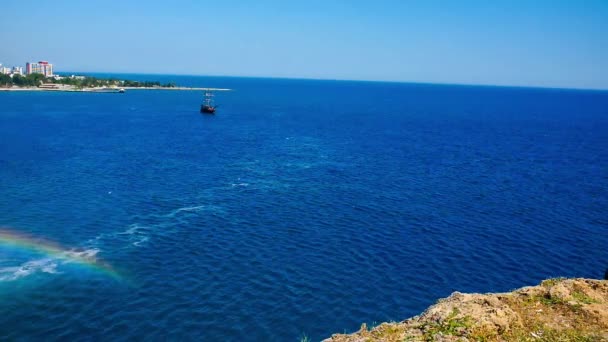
(107, 89)
(79, 83)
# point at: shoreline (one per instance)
(110, 90)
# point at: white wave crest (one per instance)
(191, 209)
(11, 273)
(140, 241)
(194, 208)
(85, 254)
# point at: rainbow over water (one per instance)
(16, 240)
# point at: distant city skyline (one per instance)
(515, 43)
(41, 67)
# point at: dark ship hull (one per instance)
(205, 109)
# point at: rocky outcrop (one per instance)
(556, 310)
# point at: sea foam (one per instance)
(45, 265)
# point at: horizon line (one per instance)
(348, 80)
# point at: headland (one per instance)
(556, 310)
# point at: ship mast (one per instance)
(208, 98)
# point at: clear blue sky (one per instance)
(537, 43)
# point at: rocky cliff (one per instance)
(556, 310)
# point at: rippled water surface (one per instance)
(302, 207)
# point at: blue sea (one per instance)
(303, 208)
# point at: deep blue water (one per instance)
(302, 207)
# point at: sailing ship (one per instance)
(208, 107)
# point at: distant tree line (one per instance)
(34, 80)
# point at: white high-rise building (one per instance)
(42, 67)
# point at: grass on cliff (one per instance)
(544, 333)
(452, 325)
(583, 298)
(558, 310)
(552, 282)
(551, 318)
